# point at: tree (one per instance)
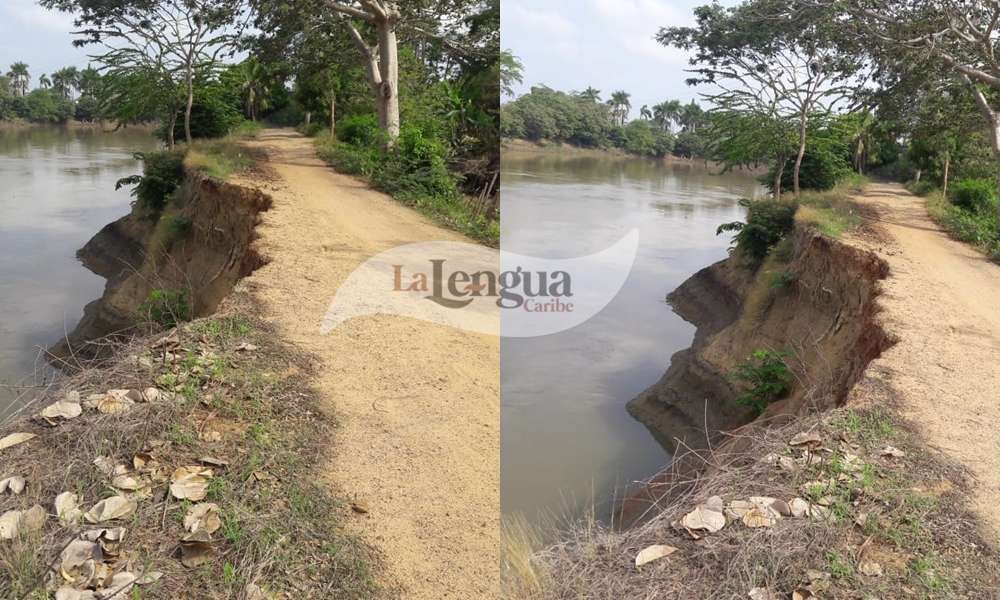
(64, 81)
(511, 72)
(591, 94)
(644, 113)
(89, 82)
(793, 69)
(44, 82)
(179, 40)
(19, 78)
(621, 105)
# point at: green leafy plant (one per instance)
(767, 223)
(767, 378)
(975, 195)
(166, 308)
(162, 173)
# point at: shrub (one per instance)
(416, 166)
(163, 171)
(166, 308)
(921, 188)
(822, 167)
(213, 114)
(767, 377)
(976, 195)
(359, 130)
(767, 223)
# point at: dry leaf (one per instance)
(149, 577)
(118, 401)
(68, 593)
(651, 553)
(808, 439)
(115, 507)
(67, 508)
(14, 485)
(215, 462)
(196, 549)
(737, 508)
(210, 436)
(78, 561)
(108, 467)
(870, 568)
(62, 410)
(33, 519)
(706, 517)
(10, 523)
(203, 517)
(128, 483)
(246, 347)
(109, 539)
(798, 507)
(759, 593)
(360, 507)
(151, 394)
(760, 517)
(892, 452)
(15, 439)
(190, 483)
(119, 588)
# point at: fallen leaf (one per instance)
(108, 467)
(67, 508)
(149, 577)
(651, 553)
(62, 410)
(78, 561)
(759, 593)
(246, 347)
(203, 517)
(196, 549)
(68, 593)
(809, 439)
(706, 517)
(15, 439)
(737, 508)
(788, 464)
(167, 341)
(109, 538)
(151, 394)
(33, 519)
(115, 507)
(14, 485)
(129, 483)
(215, 462)
(798, 507)
(210, 436)
(10, 523)
(190, 483)
(119, 588)
(760, 517)
(892, 452)
(870, 568)
(118, 401)
(360, 507)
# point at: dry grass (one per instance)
(280, 527)
(916, 527)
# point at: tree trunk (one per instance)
(333, 115)
(190, 103)
(802, 152)
(251, 104)
(309, 117)
(779, 170)
(170, 129)
(388, 95)
(947, 167)
(992, 118)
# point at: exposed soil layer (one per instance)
(821, 316)
(200, 245)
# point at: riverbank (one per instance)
(249, 455)
(894, 490)
(72, 124)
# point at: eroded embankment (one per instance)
(814, 301)
(192, 253)
(825, 496)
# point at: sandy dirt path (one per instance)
(942, 300)
(417, 404)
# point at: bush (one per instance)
(976, 195)
(823, 165)
(166, 308)
(921, 188)
(416, 166)
(88, 109)
(44, 106)
(163, 171)
(359, 130)
(767, 223)
(213, 114)
(767, 376)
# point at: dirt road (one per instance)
(942, 299)
(417, 404)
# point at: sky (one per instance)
(39, 37)
(608, 44)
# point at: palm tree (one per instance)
(88, 81)
(620, 106)
(644, 113)
(252, 80)
(19, 78)
(592, 94)
(65, 80)
(666, 113)
(44, 82)
(690, 117)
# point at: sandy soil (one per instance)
(942, 300)
(417, 404)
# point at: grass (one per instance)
(281, 527)
(908, 515)
(221, 158)
(832, 212)
(981, 230)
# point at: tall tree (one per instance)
(44, 82)
(784, 69)
(19, 78)
(64, 81)
(592, 94)
(621, 105)
(179, 39)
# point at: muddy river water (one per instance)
(567, 440)
(57, 189)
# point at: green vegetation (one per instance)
(162, 173)
(767, 222)
(980, 229)
(165, 308)
(581, 119)
(766, 377)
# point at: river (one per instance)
(57, 189)
(567, 440)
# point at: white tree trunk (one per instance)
(803, 123)
(333, 115)
(388, 96)
(190, 104)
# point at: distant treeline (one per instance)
(583, 119)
